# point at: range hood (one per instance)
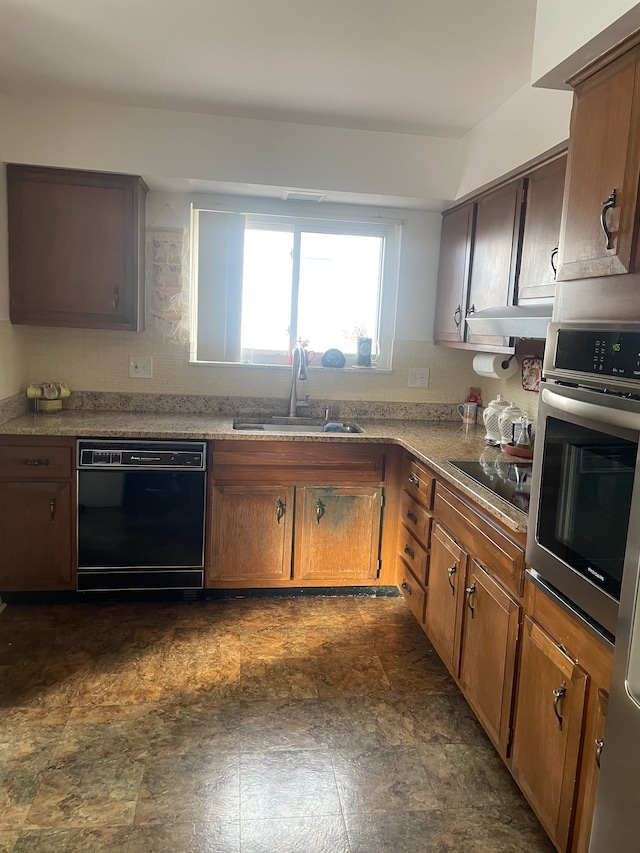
(516, 321)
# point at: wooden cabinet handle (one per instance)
(413, 518)
(554, 261)
(471, 310)
(320, 509)
(410, 552)
(406, 587)
(44, 462)
(450, 573)
(414, 480)
(558, 695)
(599, 744)
(471, 591)
(607, 205)
(279, 510)
(52, 510)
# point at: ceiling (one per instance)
(428, 67)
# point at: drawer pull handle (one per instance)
(410, 552)
(319, 510)
(451, 572)
(599, 745)
(558, 695)
(471, 591)
(35, 462)
(414, 480)
(279, 510)
(52, 510)
(412, 517)
(406, 587)
(607, 205)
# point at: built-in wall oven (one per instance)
(141, 514)
(585, 495)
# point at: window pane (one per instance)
(266, 291)
(339, 289)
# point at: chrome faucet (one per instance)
(298, 371)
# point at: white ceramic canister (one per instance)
(506, 419)
(490, 418)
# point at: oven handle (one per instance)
(591, 411)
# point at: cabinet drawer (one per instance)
(417, 482)
(415, 518)
(413, 593)
(35, 462)
(501, 557)
(414, 555)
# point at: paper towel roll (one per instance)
(494, 366)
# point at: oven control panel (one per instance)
(602, 353)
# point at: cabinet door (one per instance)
(538, 265)
(251, 534)
(453, 274)
(338, 532)
(604, 157)
(35, 536)
(75, 248)
(447, 572)
(593, 746)
(548, 726)
(489, 643)
(495, 250)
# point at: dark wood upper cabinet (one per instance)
(603, 170)
(539, 259)
(453, 274)
(76, 248)
(495, 252)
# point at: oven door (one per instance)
(583, 494)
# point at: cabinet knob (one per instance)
(414, 480)
(52, 510)
(558, 695)
(405, 586)
(320, 509)
(607, 205)
(279, 510)
(412, 517)
(457, 316)
(409, 551)
(599, 744)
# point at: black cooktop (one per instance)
(509, 480)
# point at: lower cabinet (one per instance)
(488, 660)
(443, 617)
(561, 706)
(253, 533)
(294, 514)
(36, 511)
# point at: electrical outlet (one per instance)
(140, 366)
(418, 377)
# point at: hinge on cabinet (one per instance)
(382, 499)
(523, 197)
(379, 568)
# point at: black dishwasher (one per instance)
(141, 514)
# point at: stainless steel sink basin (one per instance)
(286, 425)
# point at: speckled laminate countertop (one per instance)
(432, 442)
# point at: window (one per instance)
(265, 281)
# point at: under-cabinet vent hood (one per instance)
(517, 321)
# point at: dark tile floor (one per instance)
(314, 725)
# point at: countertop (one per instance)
(434, 443)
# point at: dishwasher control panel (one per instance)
(155, 454)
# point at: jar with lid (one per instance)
(506, 419)
(490, 418)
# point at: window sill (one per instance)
(287, 367)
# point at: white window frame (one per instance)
(388, 229)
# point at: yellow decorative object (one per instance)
(48, 396)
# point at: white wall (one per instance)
(529, 123)
(570, 33)
(163, 143)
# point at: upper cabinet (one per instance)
(599, 218)
(498, 249)
(76, 248)
(538, 265)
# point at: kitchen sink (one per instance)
(288, 425)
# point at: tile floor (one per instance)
(314, 725)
